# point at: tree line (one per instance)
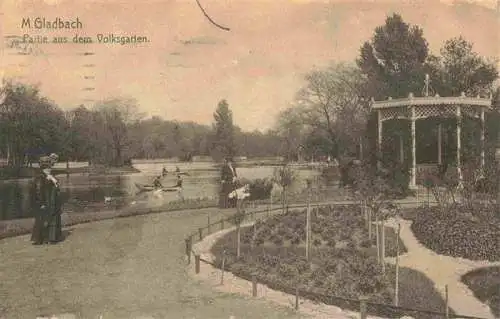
(331, 113)
(113, 131)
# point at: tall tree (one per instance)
(332, 104)
(395, 59)
(116, 115)
(223, 139)
(460, 69)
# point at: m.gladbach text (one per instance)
(57, 23)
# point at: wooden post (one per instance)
(308, 226)
(222, 268)
(189, 245)
(362, 307)
(382, 250)
(370, 226)
(297, 298)
(377, 234)
(208, 224)
(254, 285)
(396, 290)
(200, 231)
(447, 310)
(197, 263)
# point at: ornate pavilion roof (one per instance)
(432, 100)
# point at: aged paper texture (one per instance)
(249, 159)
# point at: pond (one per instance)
(87, 192)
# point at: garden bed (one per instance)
(343, 262)
(485, 284)
(457, 233)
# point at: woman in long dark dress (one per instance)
(40, 203)
(47, 205)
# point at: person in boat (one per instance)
(177, 169)
(164, 172)
(47, 204)
(157, 183)
(228, 179)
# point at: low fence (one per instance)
(361, 305)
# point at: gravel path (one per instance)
(442, 270)
(123, 268)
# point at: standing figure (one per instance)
(164, 172)
(48, 225)
(228, 179)
(179, 187)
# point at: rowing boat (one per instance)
(148, 188)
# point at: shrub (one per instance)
(457, 234)
(485, 284)
(259, 189)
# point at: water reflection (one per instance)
(87, 192)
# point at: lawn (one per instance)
(485, 284)
(343, 261)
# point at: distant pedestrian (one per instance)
(179, 187)
(228, 179)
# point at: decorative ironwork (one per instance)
(394, 113)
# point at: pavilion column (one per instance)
(413, 181)
(379, 144)
(459, 144)
(440, 144)
(482, 140)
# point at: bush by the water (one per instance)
(259, 189)
(343, 261)
(459, 233)
(485, 284)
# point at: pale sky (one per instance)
(189, 64)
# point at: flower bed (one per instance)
(458, 234)
(343, 262)
(485, 284)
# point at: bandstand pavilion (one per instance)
(417, 108)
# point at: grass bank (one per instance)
(17, 227)
(7, 173)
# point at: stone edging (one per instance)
(236, 285)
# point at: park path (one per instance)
(121, 268)
(442, 270)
